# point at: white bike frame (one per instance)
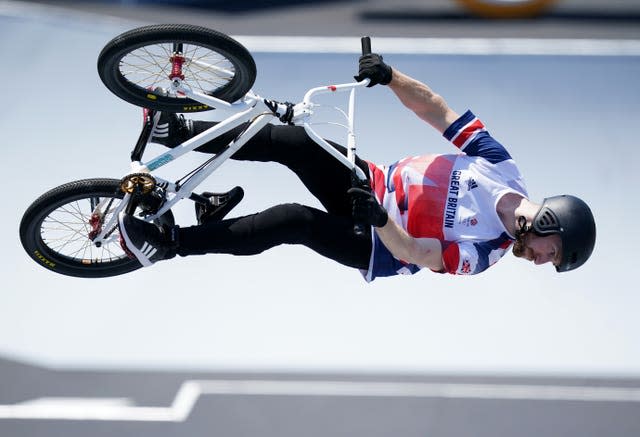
(252, 108)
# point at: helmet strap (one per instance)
(518, 247)
(523, 228)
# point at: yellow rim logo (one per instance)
(195, 108)
(44, 260)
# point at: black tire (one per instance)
(55, 230)
(136, 62)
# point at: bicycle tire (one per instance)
(135, 63)
(501, 9)
(59, 221)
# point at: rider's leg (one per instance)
(326, 178)
(327, 234)
(330, 234)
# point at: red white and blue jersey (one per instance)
(452, 198)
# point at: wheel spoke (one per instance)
(66, 231)
(150, 66)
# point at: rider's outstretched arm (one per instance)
(421, 99)
(413, 94)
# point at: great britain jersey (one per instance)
(452, 198)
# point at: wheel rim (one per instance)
(150, 66)
(66, 229)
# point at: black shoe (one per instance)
(169, 129)
(144, 241)
(220, 205)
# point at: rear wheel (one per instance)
(57, 230)
(134, 64)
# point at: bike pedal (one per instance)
(220, 205)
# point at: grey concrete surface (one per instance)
(36, 401)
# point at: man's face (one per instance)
(541, 250)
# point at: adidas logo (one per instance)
(471, 184)
(148, 250)
(161, 131)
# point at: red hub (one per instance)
(176, 67)
(96, 225)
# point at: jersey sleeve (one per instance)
(469, 135)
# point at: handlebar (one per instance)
(366, 45)
(359, 228)
(301, 111)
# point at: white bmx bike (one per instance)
(72, 229)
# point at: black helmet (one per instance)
(572, 219)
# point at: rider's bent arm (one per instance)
(424, 252)
(421, 99)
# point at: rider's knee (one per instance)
(296, 222)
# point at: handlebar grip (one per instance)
(366, 45)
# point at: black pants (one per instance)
(328, 233)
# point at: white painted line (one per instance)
(76, 402)
(119, 409)
(104, 409)
(444, 46)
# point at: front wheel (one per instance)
(138, 62)
(506, 8)
(57, 229)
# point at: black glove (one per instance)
(366, 209)
(373, 68)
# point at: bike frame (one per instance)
(254, 109)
